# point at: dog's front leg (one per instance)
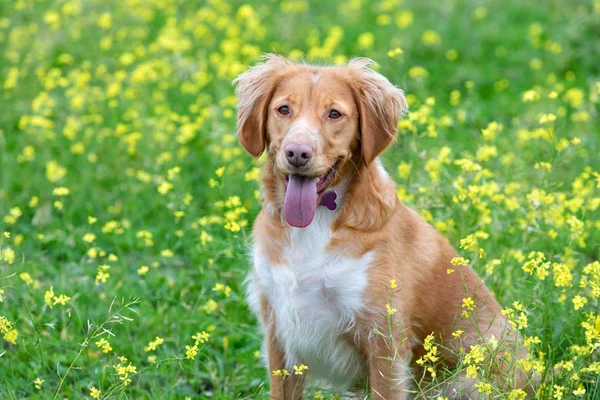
(388, 368)
(285, 385)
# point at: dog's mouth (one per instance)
(301, 194)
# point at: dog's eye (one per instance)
(283, 110)
(334, 114)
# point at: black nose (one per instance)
(298, 154)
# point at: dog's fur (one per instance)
(321, 291)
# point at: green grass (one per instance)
(131, 107)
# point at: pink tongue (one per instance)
(300, 201)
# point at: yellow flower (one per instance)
(299, 370)
(104, 345)
(94, 393)
(393, 284)
(580, 391)
(191, 352)
(89, 237)
(404, 170)
(38, 383)
(201, 337)
(483, 387)
(390, 310)
(154, 344)
(468, 303)
(431, 38)
(579, 302)
(418, 72)
(558, 392)
(61, 299)
(460, 261)
(457, 333)
(54, 171)
(48, 296)
(366, 40)
(105, 21)
(61, 191)
(210, 306)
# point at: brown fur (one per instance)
(407, 248)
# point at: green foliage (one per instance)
(121, 178)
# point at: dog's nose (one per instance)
(298, 154)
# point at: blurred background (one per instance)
(126, 202)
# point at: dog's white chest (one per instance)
(314, 296)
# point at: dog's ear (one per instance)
(254, 89)
(380, 105)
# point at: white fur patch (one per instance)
(315, 296)
(381, 170)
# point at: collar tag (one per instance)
(328, 200)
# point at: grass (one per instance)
(118, 156)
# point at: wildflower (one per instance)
(558, 392)
(393, 284)
(472, 371)
(89, 237)
(530, 96)
(431, 38)
(201, 337)
(460, 261)
(38, 383)
(517, 394)
(102, 274)
(299, 370)
(484, 388)
(13, 215)
(61, 191)
(105, 21)
(468, 243)
(468, 303)
(124, 371)
(104, 345)
(154, 344)
(191, 352)
(579, 302)
(54, 171)
(390, 310)
(281, 372)
(395, 52)
(165, 187)
(418, 72)
(580, 391)
(366, 40)
(61, 299)
(143, 270)
(48, 296)
(94, 393)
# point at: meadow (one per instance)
(126, 202)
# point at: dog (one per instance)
(337, 258)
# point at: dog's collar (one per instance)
(328, 200)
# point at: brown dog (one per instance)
(332, 235)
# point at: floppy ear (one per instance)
(380, 105)
(254, 89)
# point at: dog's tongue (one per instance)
(300, 201)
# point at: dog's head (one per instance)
(316, 124)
